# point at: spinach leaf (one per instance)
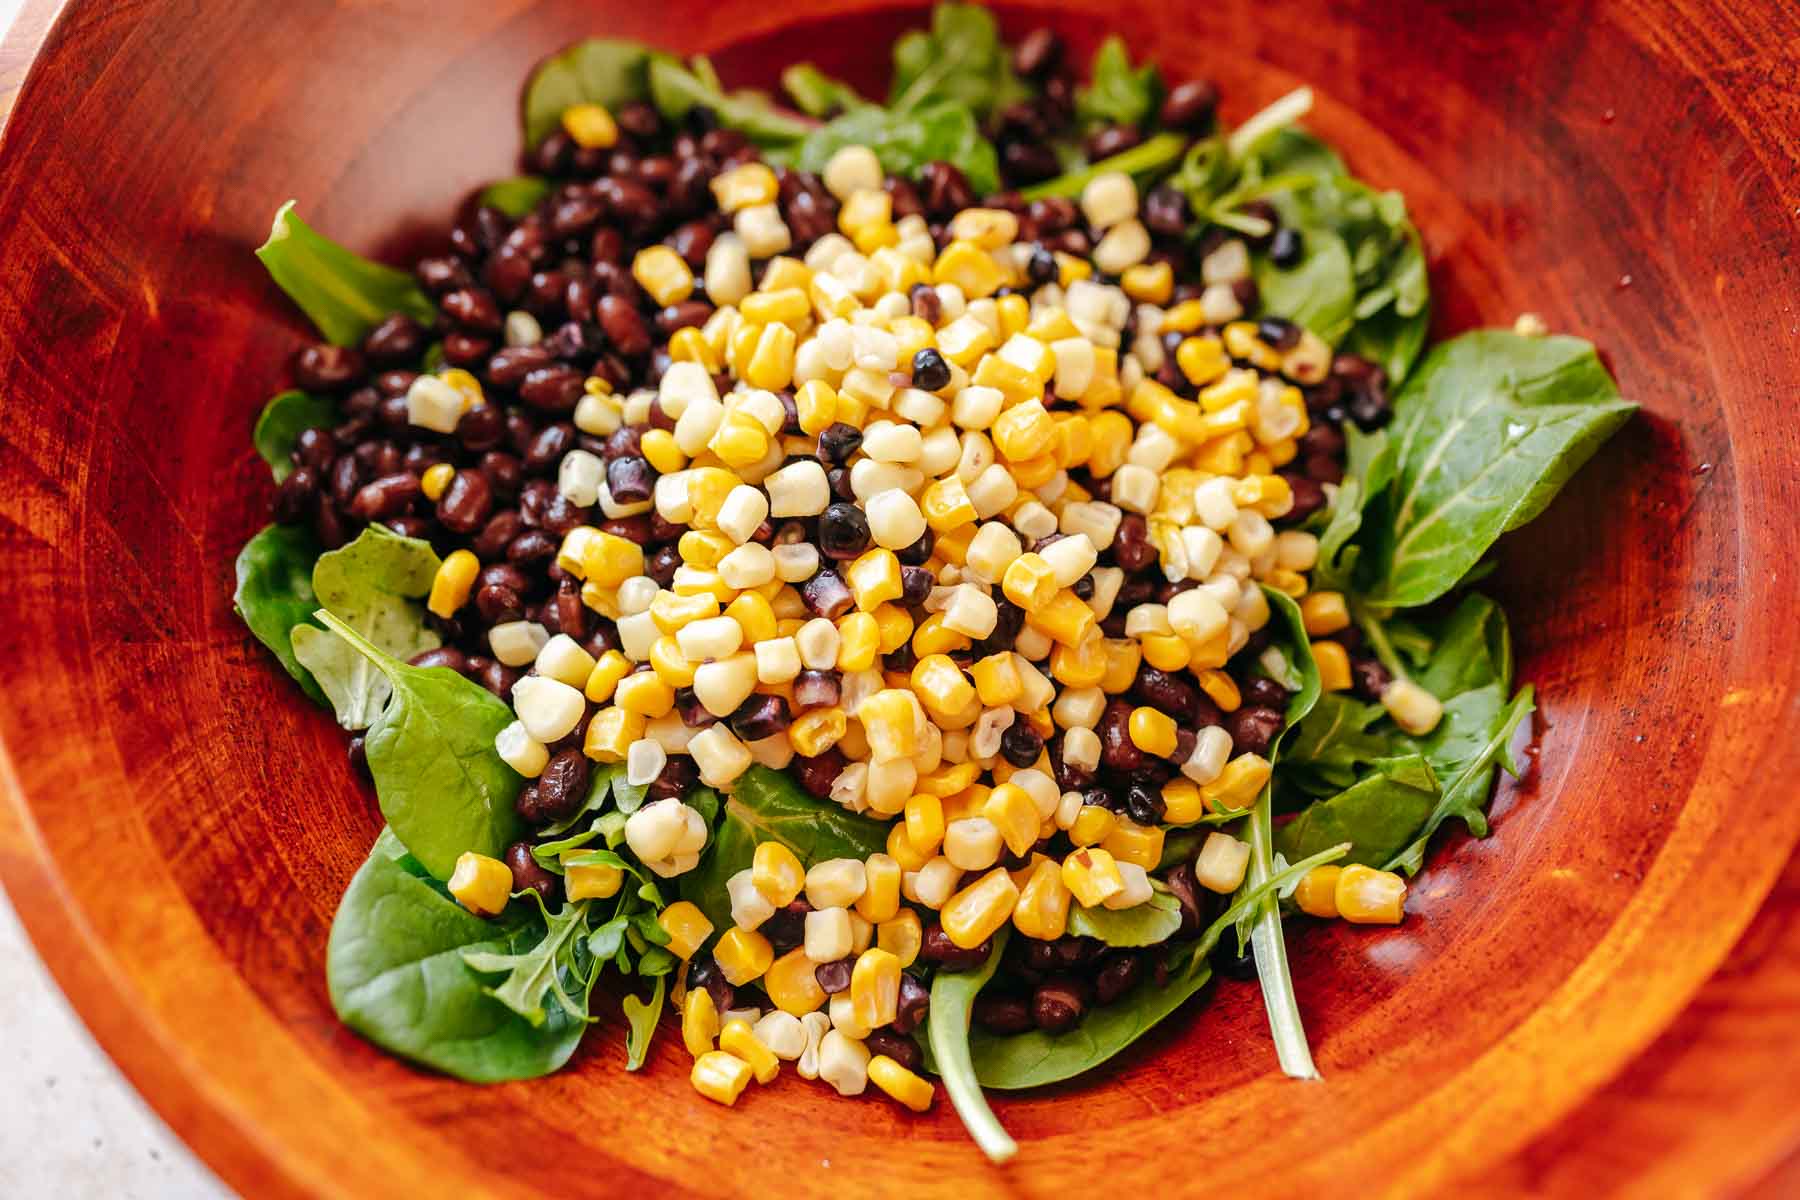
(1378, 815)
(1115, 93)
(960, 60)
(641, 1018)
(817, 94)
(1486, 432)
(396, 975)
(676, 90)
(1325, 751)
(1144, 161)
(1368, 467)
(284, 418)
(904, 142)
(595, 71)
(1153, 921)
(1032, 1059)
(766, 805)
(1318, 292)
(372, 584)
(1471, 648)
(541, 968)
(516, 196)
(345, 294)
(946, 1035)
(442, 787)
(275, 593)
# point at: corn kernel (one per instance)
(880, 900)
(737, 1039)
(874, 579)
(1238, 784)
(1413, 708)
(1149, 283)
(901, 935)
(686, 926)
(1042, 910)
(1324, 613)
(720, 1076)
(1082, 666)
(997, 680)
(1166, 652)
(1093, 825)
(777, 873)
(664, 274)
(817, 731)
(1091, 876)
(875, 988)
(1317, 893)
(792, 985)
(858, 640)
(1066, 619)
(742, 955)
(481, 884)
(816, 404)
(1334, 666)
(1134, 843)
(699, 1021)
(899, 1082)
(451, 585)
(1014, 813)
(1365, 896)
(590, 126)
(1152, 732)
(610, 734)
(744, 186)
(1181, 802)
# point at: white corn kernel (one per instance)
(433, 404)
(797, 562)
(749, 907)
(549, 710)
(644, 761)
(992, 491)
(993, 549)
(1213, 504)
(972, 612)
(745, 509)
(597, 415)
(1096, 518)
(727, 270)
(1070, 558)
(1081, 748)
(1227, 264)
(563, 660)
(709, 637)
(844, 1061)
(1125, 245)
(722, 685)
(1108, 199)
(932, 884)
(1196, 616)
(1137, 889)
(1221, 863)
(762, 229)
(895, 521)
(852, 169)
(1078, 708)
(783, 1034)
(1135, 488)
(718, 754)
(579, 477)
(799, 489)
(892, 442)
(520, 751)
(976, 407)
(750, 565)
(990, 726)
(695, 427)
(1211, 750)
(1202, 547)
(828, 937)
(681, 385)
(637, 633)
(836, 883)
(654, 830)
(777, 660)
(815, 1025)
(818, 642)
(1413, 708)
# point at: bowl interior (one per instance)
(183, 823)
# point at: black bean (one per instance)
(386, 497)
(1228, 962)
(1166, 211)
(297, 495)
(1252, 728)
(937, 948)
(1265, 691)
(1166, 691)
(440, 275)
(1112, 139)
(472, 309)
(562, 787)
(895, 1045)
(915, 1002)
(1370, 677)
(328, 527)
(359, 758)
(1186, 890)
(1024, 162)
(843, 531)
(1038, 54)
(1279, 332)
(833, 977)
(527, 874)
(1287, 248)
(503, 472)
(916, 584)
(1118, 974)
(1004, 1015)
(630, 480)
(675, 780)
(328, 368)
(1144, 804)
(548, 447)
(838, 441)
(442, 656)
(818, 773)
(759, 717)
(623, 325)
(703, 972)
(498, 604)
(1020, 745)
(1131, 546)
(1309, 498)
(556, 388)
(1117, 750)
(1191, 106)
(827, 595)
(1057, 1005)
(786, 928)
(497, 678)
(466, 350)
(467, 503)
(396, 342)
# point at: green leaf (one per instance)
(1144, 162)
(641, 1017)
(516, 196)
(1368, 467)
(395, 973)
(539, 970)
(344, 294)
(817, 94)
(1115, 93)
(1323, 753)
(275, 593)
(764, 806)
(946, 1034)
(284, 418)
(904, 142)
(1486, 432)
(1156, 920)
(1318, 292)
(1378, 815)
(1465, 749)
(372, 584)
(676, 90)
(596, 71)
(960, 60)
(1471, 648)
(442, 787)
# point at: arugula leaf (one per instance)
(1464, 750)
(1144, 161)
(946, 1035)
(344, 294)
(595, 71)
(284, 418)
(1318, 292)
(766, 805)
(442, 787)
(275, 593)
(1153, 921)
(1471, 648)
(904, 142)
(676, 90)
(1378, 815)
(540, 969)
(1368, 467)
(641, 1018)
(961, 60)
(1486, 432)
(1115, 93)
(394, 967)
(516, 196)
(372, 584)
(1325, 750)
(818, 94)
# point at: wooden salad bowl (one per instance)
(1599, 998)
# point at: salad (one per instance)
(913, 590)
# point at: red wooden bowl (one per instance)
(1598, 997)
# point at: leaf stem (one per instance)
(948, 1033)
(1376, 632)
(362, 645)
(1285, 1026)
(1158, 152)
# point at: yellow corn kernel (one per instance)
(1149, 283)
(1317, 893)
(785, 271)
(741, 440)
(610, 560)
(702, 548)
(481, 884)
(863, 208)
(670, 664)
(1202, 359)
(1043, 908)
(454, 580)
(1091, 876)
(787, 305)
(672, 611)
(965, 340)
(1242, 341)
(1074, 440)
(720, 1076)
(1112, 434)
(1029, 582)
(1222, 689)
(1014, 813)
(743, 186)
(1238, 784)
(644, 693)
(742, 955)
(1066, 619)
(1334, 666)
(792, 985)
(1134, 843)
(590, 126)
(875, 988)
(686, 926)
(949, 779)
(699, 1021)
(1023, 431)
(1365, 896)
(664, 274)
(901, 936)
(1070, 269)
(688, 344)
(436, 478)
(858, 640)
(660, 451)
(816, 404)
(777, 873)
(1052, 325)
(966, 803)
(738, 1039)
(901, 849)
(895, 625)
(1082, 666)
(1015, 384)
(997, 679)
(1092, 826)
(1324, 613)
(889, 717)
(970, 268)
(815, 732)
(754, 615)
(593, 881)
(464, 385)
(946, 505)
(900, 1083)
(1165, 651)
(911, 333)
(874, 579)
(1223, 455)
(610, 734)
(940, 684)
(771, 365)
(1182, 804)
(977, 912)
(1185, 317)
(1122, 659)
(880, 900)
(897, 272)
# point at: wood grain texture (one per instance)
(1600, 998)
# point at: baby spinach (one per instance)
(1368, 467)
(372, 584)
(345, 294)
(904, 142)
(1468, 744)
(547, 966)
(395, 971)
(1318, 292)
(641, 1017)
(275, 593)
(1116, 94)
(961, 59)
(595, 71)
(817, 94)
(1486, 432)
(442, 787)
(284, 418)
(1153, 921)
(516, 196)
(1377, 816)
(766, 805)
(946, 1035)
(676, 90)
